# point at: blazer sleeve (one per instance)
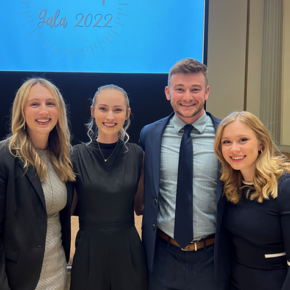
(74, 158)
(284, 197)
(141, 139)
(3, 188)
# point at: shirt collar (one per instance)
(199, 124)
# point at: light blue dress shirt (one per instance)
(204, 176)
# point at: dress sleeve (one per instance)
(140, 159)
(74, 157)
(284, 202)
(3, 188)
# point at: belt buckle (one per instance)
(187, 250)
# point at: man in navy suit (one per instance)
(171, 266)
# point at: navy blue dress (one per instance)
(260, 234)
(109, 254)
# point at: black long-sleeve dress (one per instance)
(260, 234)
(109, 253)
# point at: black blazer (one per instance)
(23, 224)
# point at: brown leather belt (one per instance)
(191, 247)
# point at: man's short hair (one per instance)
(188, 66)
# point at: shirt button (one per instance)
(154, 226)
(38, 246)
(156, 201)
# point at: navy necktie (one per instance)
(183, 227)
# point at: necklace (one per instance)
(110, 154)
(247, 183)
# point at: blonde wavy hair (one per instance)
(20, 144)
(91, 125)
(269, 167)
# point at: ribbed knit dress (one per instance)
(53, 272)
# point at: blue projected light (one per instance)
(112, 36)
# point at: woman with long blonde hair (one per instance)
(35, 191)
(255, 228)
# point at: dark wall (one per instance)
(146, 94)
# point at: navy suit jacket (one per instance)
(150, 141)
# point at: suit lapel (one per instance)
(156, 157)
(215, 120)
(35, 181)
(219, 187)
(156, 152)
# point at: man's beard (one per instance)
(196, 112)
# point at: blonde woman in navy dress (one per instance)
(109, 185)
(35, 192)
(255, 230)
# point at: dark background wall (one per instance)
(146, 94)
